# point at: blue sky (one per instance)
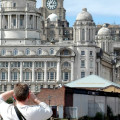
(103, 11)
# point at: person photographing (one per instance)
(22, 111)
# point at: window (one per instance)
(27, 64)
(21, 21)
(83, 34)
(66, 64)
(14, 4)
(39, 75)
(3, 52)
(3, 75)
(39, 64)
(51, 51)
(14, 75)
(27, 75)
(14, 21)
(15, 64)
(15, 52)
(66, 52)
(91, 53)
(82, 74)
(51, 64)
(3, 64)
(51, 75)
(27, 52)
(82, 63)
(66, 76)
(82, 52)
(39, 52)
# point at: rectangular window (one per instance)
(14, 22)
(51, 75)
(66, 76)
(3, 75)
(82, 52)
(15, 76)
(82, 74)
(40, 76)
(14, 4)
(21, 22)
(27, 75)
(91, 53)
(82, 63)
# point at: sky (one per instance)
(102, 11)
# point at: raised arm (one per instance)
(7, 95)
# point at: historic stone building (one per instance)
(38, 47)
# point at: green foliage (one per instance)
(109, 114)
(99, 116)
(9, 101)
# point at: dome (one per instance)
(84, 15)
(104, 31)
(53, 17)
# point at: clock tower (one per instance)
(53, 6)
(55, 27)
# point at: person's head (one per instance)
(21, 91)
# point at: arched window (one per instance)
(39, 52)
(66, 64)
(83, 34)
(65, 52)
(3, 52)
(15, 52)
(27, 52)
(51, 51)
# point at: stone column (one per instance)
(33, 21)
(16, 20)
(9, 72)
(10, 21)
(58, 71)
(26, 25)
(21, 71)
(72, 70)
(45, 72)
(79, 35)
(33, 71)
(86, 34)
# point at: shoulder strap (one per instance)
(19, 114)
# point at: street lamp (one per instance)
(49, 99)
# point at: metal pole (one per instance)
(1, 22)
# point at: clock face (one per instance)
(51, 4)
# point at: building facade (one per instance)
(38, 47)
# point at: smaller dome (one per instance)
(84, 15)
(104, 31)
(53, 17)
